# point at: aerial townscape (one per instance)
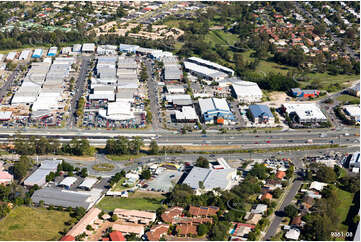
(179, 121)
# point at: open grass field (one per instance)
(342, 210)
(348, 98)
(141, 201)
(103, 167)
(26, 224)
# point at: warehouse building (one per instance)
(67, 182)
(66, 198)
(39, 176)
(88, 183)
(246, 92)
(66, 50)
(77, 48)
(88, 48)
(11, 56)
(107, 50)
(175, 89)
(103, 93)
(125, 62)
(187, 115)
(37, 53)
(204, 72)
(178, 100)
(224, 179)
(24, 55)
(261, 114)
(298, 92)
(211, 65)
(53, 51)
(353, 111)
(304, 113)
(215, 110)
(128, 48)
(119, 110)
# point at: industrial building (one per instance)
(24, 55)
(103, 93)
(119, 110)
(175, 89)
(88, 183)
(53, 51)
(246, 92)
(304, 112)
(355, 90)
(107, 50)
(204, 72)
(37, 53)
(88, 48)
(215, 110)
(67, 182)
(172, 69)
(128, 48)
(353, 111)
(224, 179)
(11, 56)
(211, 65)
(77, 48)
(261, 114)
(187, 115)
(178, 100)
(39, 176)
(66, 198)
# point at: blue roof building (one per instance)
(37, 53)
(128, 48)
(214, 108)
(261, 113)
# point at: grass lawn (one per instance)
(119, 187)
(220, 37)
(342, 210)
(135, 201)
(26, 224)
(124, 157)
(103, 167)
(347, 98)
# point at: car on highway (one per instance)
(268, 141)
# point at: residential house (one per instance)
(171, 213)
(135, 216)
(203, 211)
(266, 196)
(157, 231)
(186, 229)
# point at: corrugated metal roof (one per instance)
(260, 110)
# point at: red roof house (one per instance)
(116, 236)
(67, 238)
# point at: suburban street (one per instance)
(8, 83)
(153, 97)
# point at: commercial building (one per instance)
(211, 65)
(355, 90)
(107, 50)
(89, 218)
(39, 176)
(135, 216)
(246, 92)
(297, 92)
(103, 93)
(211, 179)
(37, 53)
(179, 100)
(354, 160)
(88, 48)
(353, 111)
(204, 72)
(304, 113)
(53, 51)
(66, 198)
(5, 115)
(261, 114)
(175, 89)
(215, 110)
(187, 115)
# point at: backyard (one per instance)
(24, 223)
(343, 209)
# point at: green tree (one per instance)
(325, 174)
(290, 211)
(154, 148)
(202, 229)
(21, 167)
(84, 172)
(202, 162)
(145, 175)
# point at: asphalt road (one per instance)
(79, 88)
(8, 83)
(153, 96)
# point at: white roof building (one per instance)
(38, 177)
(1, 57)
(354, 111)
(318, 185)
(76, 47)
(88, 183)
(187, 113)
(119, 110)
(175, 89)
(68, 181)
(293, 234)
(204, 72)
(11, 56)
(24, 55)
(305, 112)
(5, 115)
(211, 65)
(88, 47)
(247, 92)
(259, 209)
